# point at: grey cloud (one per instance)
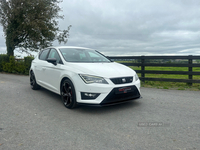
(134, 27)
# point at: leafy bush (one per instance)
(19, 68)
(3, 59)
(27, 63)
(10, 65)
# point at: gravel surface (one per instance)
(37, 120)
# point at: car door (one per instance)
(53, 72)
(40, 67)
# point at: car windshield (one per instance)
(82, 55)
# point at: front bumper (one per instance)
(106, 94)
(114, 97)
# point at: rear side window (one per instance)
(43, 54)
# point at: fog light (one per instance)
(85, 95)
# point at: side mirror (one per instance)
(52, 60)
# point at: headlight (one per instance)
(136, 77)
(92, 79)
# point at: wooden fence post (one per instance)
(190, 69)
(143, 68)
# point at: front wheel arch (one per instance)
(68, 94)
(63, 79)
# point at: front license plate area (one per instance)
(124, 90)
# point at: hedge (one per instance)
(10, 65)
(3, 59)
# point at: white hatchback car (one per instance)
(83, 76)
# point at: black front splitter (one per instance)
(109, 104)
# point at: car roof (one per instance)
(76, 47)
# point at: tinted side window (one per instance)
(54, 54)
(43, 54)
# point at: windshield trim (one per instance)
(86, 61)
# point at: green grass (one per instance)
(167, 68)
(170, 85)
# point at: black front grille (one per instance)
(113, 97)
(122, 80)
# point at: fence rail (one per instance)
(178, 61)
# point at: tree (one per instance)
(31, 25)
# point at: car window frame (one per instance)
(42, 52)
(60, 61)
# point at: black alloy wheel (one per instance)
(68, 94)
(33, 82)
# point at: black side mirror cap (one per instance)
(52, 60)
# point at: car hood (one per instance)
(107, 70)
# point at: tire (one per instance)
(33, 82)
(68, 94)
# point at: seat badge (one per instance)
(123, 80)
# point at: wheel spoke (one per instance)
(67, 94)
(64, 86)
(69, 89)
(67, 101)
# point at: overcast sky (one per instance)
(132, 27)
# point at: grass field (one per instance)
(170, 85)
